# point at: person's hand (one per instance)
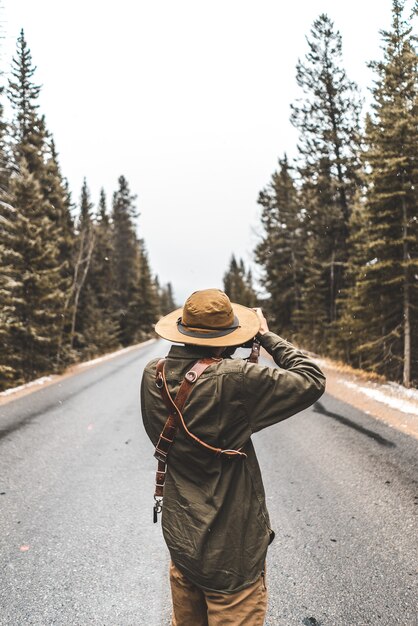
(263, 322)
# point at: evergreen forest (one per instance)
(337, 252)
(338, 249)
(75, 277)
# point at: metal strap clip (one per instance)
(191, 376)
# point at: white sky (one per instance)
(189, 99)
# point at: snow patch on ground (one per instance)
(32, 383)
(378, 394)
(404, 391)
(47, 379)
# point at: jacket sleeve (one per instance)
(274, 394)
(150, 401)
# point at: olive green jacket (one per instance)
(215, 521)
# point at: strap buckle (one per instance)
(158, 507)
(160, 455)
(191, 376)
(233, 454)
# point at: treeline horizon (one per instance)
(75, 278)
(339, 246)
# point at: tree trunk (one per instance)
(406, 302)
(295, 279)
(332, 288)
(79, 285)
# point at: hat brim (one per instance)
(249, 325)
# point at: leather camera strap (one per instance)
(175, 420)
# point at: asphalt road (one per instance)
(77, 542)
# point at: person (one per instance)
(214, 516)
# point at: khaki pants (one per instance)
(194, 607)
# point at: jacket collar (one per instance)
(188, 353)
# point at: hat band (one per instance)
(206, 332)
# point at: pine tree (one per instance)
(148, 303)
(170, 302)
(9, 255)
(28, 128)
(83, 301)
(10, 258)
(100, 328)
(238, 284)
(34, 264)
(352, 328)
(4, 162)
(126, 263)
(58, 206)
(384, 263)
(34, 313)
(281, 250)
(328, 120)
(160, 296)
(166, 298)
(12, 225)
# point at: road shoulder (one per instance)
(46, 381)
(395, 405)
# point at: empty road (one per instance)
(77, 542)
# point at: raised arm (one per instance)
(273, 394)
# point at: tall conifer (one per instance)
(384, 299)
(35, 317)
(9, 256)
(126, 262)
(170, 303)
(101, 329)
(28, 127)
(148, 302)
(58, 207)
(166, 297)
(82, 299)
(327, 118)
(281, 250)
(40, 285)
(238, 283)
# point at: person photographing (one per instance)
(200, 410)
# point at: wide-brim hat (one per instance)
(209, 318)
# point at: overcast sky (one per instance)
(189, 99)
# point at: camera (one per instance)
(251, 344)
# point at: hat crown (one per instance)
(208, 308)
